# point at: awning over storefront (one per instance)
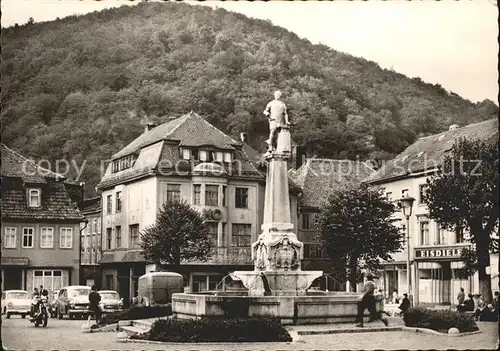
(429, 265)
(15, 261)
(392, 266)
(457, 265)
(133, 256)
(108, 257)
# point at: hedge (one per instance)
(440, 321)
(216, 330)
(138, 312)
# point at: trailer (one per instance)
(157, 288)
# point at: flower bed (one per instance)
(138, 312)
(216, 330)
(440, 321)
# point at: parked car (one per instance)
(110, 301)
(16, 302)
(73, 301)
(52, 305)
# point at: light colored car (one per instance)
(16, 302)
(73, 301)
(110, 301)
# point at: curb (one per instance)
(136, 341)
(348, 330)
(104, 329)
(430, 331)
(380, 329)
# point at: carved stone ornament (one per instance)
(286, 253)
(260, 253)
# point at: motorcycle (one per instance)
(40, 314)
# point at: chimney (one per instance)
(243, 138)
(454, 126)
(300, 156)
(149, 126)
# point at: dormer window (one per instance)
(203, 155)
(219, 156)
(124, 163)
(34, 198)
(195, 155)
(186, 154)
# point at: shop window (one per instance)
(50, 280)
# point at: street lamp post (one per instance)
(407, 207)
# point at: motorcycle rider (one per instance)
(43, 292)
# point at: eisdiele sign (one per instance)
(436, 253)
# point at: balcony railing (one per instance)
(229, 255)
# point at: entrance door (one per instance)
(124, 285)
(13, 278)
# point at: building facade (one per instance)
(40, 226)
(91, 240)
(317, 178)
(436, 268)
(185, 159)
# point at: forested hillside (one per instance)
(77, 88)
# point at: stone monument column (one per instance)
(277, 253)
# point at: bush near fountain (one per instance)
(440, 321)
(216, 330)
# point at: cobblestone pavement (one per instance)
(19, 334)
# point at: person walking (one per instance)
(368, 302)
(395, 297)
(405, 304)
(94, 299)
(461, 297)
(495, 301)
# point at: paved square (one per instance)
(19, 334)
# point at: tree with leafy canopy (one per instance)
(357, 229)
(463, 197)
(179, 234)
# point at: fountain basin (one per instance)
(335, 307)
(284, 283)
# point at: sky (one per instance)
(452, 43)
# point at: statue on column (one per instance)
(278, 118)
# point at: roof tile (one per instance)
(319, 177)
(19, 174)
(191, 129)
(427, 153)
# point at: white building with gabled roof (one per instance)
(436, 272)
